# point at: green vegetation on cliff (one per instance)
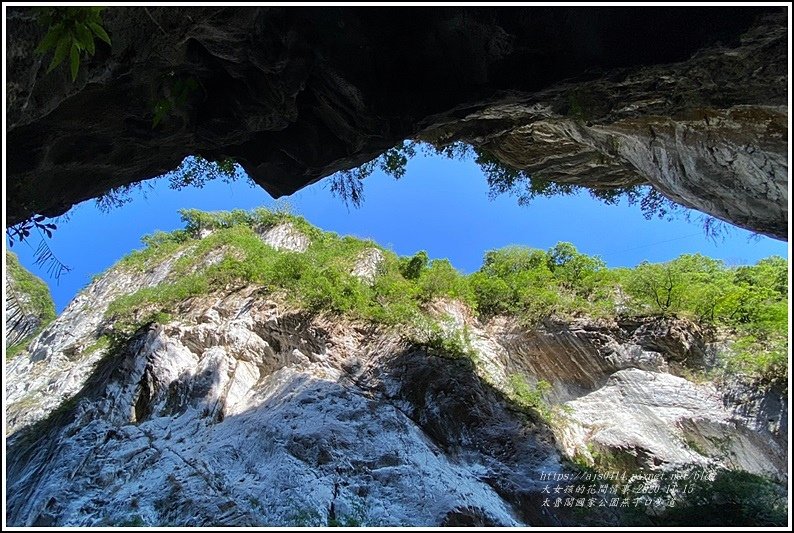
(750, 302)
(37, 294)
(31, 296)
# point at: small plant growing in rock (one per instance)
(72, 32)
(176, 93)
(444, 340)
(532, 397)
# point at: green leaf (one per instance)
(51, 39)
(60, 53)
(99, 31)
(161, 110)
(75, 60)
(43, 15)
(85, 37)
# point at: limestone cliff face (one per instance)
(240, 410)
(683, 128)
(29, 304)
(690, 100)
(245, 413)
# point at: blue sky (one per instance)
(440, 206)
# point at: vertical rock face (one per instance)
(683, 128)
(690, 100)
(699, 161)
(59, 360)
(285, 237)
(29, 305)
(241, 410)
(644, 419)
(367, 265)
(242, 413)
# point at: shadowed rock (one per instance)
(690, 100)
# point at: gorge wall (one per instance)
(28, 303)
(690, 100)
(239, 409)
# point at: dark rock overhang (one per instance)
(296, 94)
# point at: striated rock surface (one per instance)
(683, 128)
(586, 352)
(29, 305)
(240, 410)
(285, 237)
(367, 264)
(651, 420)
(690, 100)
(59, 361)
(242, 413)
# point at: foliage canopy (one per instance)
(531, 285)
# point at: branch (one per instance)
(155, 22)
